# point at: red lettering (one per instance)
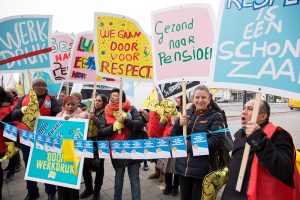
(104, 66)
(120, 47)
(121, 69)
(114, 68)
(78, 62)
(148, 68)
(135, 69)
(128, 69)
(58, 57)
(66, 56)
(134, 46)
(113, 56)
(107, 34)
(121, 57)
(128, 57)
(113, 46)
(135, 56)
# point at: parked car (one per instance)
(293, 103)
(222, 100)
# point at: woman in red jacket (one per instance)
(5, 110)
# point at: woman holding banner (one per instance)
(201, 117)
(70, 110)
(5, 110)
(95, 164)
(130, 123)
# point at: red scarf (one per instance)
(262, 185)
(110, 119)
(112, 107)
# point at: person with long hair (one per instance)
(200, 118)
(95, 164)
(70, 110)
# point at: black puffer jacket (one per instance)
(195, 166)
(135, 124)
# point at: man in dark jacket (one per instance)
(48, 107)
(271, 158)
(129, 127)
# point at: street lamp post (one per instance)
(244, 97)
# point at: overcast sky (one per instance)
(74, 16)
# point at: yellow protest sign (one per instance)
(213, 90)
(151, 101)
(122, 49)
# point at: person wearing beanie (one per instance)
(130, 123)
(38, 80)
(48, 106)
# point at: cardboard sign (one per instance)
(183, 43)
(178, 146)
(162, 148)
(258, 47)
(10, 132)
(172, 90)
(199, 144)
(103, 149)
(137, 149)
(27, 138)
(150, 149)
(116, 149)
(49, 167)
(122, 49)
(25, 43)
(82, 63)
(126, 149)
(61, 52)
(84, 148)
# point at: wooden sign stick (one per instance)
(29, 80)
(247, 146)
(120, 99)
(92, 109)
(183, 85)
(67, 88)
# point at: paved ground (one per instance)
(151, 189)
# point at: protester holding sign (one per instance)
(272, 158)
(70, 110)
(14, 164)
(200, 118)
(47, 106)
(160, 125)
(95, 164)
(5, 108)
(130, 123)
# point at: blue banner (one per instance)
(25, 43)
(178, 146)
(48, 167)
(259, 47)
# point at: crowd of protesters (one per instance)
(272, 150)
